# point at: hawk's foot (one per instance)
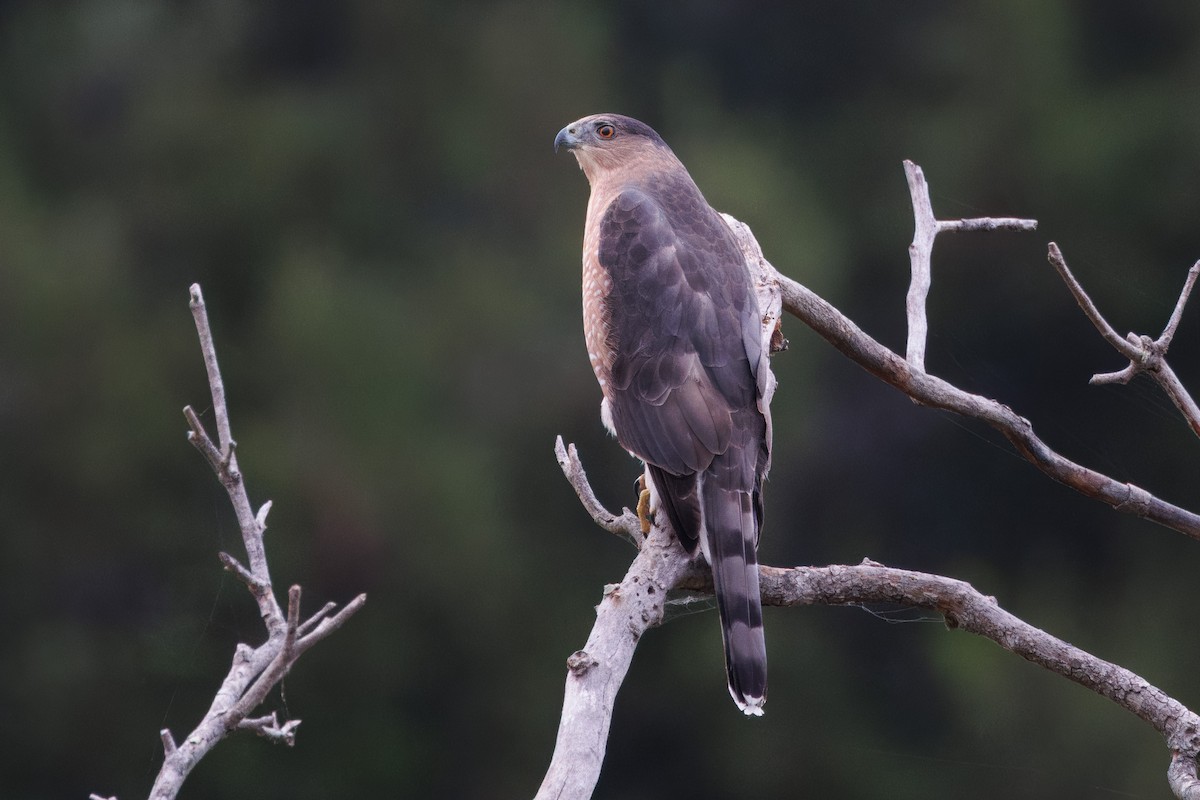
(643, 504)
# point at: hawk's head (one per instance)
(610, 141)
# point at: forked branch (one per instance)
(920, 256)
(255, 670)
(1145, 354)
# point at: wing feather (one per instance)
(681, 364)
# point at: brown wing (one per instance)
(683, 329)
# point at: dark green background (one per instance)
(390, 250)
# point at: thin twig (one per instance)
(256, 586)
(920, 255)
(1173, 324)
(199, 438)
(1110, 335)
(987, 224)
(269, 728)
(626, 525)
(316, 618)
(1145, 354)
(328, 625)
(216, 385)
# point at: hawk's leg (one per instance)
(643, 504)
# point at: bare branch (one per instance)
(254, 671)
(261, 516)
(226, 466)
(636, 604)
(626, 525)
(201, 441)
(934, 392)
(1144, 354)
(216, 385)
(595, 673)
(1172, 324)
(312, 621)
(269, 728)
(1121, 376)
(1089, 308)
(988, 224)
(328, 625)
(965, 608)
(920, 255)
(255, 586)
(1182, 399)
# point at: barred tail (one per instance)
(730, 528)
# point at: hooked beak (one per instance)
(567, 138)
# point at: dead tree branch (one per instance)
(920, 254)
(629, 609)
(255, 670)
(1145, 354)
(928, 390)
(595, 673)
(636, 604)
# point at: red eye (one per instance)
(605, 131)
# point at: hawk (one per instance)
(672, 327)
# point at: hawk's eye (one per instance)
(606, 131)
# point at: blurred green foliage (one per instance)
(389, 249)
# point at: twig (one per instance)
(327, 625)
(226, 465)
(626, 525)
(255, 586)
(1110, 335)
(215, 383)
(269, 728)
(1172, 324)
(920, 254)
(312, 621)
(1145, 354)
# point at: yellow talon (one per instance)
(643, 511)
(643, 504)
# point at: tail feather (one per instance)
(730, 524)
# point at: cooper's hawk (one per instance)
(673, 332)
